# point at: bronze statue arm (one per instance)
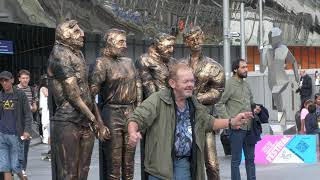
(149, 87)
(98, 76)
(102, 132)
(72, 92)
(209, 97)
(147, 81)
(216, 86)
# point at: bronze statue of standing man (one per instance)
(116, 79)
(209, 86)
(154, 65)
(71, 135)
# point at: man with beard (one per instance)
(115, 77)
(175, 122)
(236, 98)
(76, 113)
(153, 66)
(209, 76)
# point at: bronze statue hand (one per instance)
(96, 124)
(102, 132)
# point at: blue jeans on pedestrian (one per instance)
(11, 153)
(181, 170)
(238, 142)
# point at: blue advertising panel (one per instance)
(6, 47)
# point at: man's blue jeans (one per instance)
(181, 170)
(238, 142)
(11, 153)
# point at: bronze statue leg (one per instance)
(73, 150)
(86, 147)
(117, 143)
(122, 155)
(128, 160)
(105, 163)
(212, 164)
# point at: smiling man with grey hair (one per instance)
(175, 124)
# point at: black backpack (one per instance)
(263, 115)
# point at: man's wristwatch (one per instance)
(230, 123)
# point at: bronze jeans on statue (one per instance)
(72, 147)
(211, 158)
(121, 154)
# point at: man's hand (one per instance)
(241, 118)
(26, 136)
(134, 138)
(134, 134)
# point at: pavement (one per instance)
(41, 170)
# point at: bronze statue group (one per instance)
(122, 85)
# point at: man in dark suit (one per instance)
(305, 86)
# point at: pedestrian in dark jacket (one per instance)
(175, 124)
(305, 86)
(15, 126)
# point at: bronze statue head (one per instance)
(116, 42)
(164, 44)
(70, 33)
(193, 38)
